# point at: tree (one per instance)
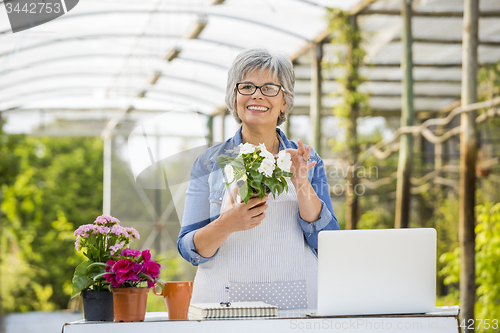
(56, 187)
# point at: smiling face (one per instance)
(258, 109)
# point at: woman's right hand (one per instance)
(237, 216)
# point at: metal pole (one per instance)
(466, 234)
(157, 197)
(315, 112)
(405, 160)
(106, 200)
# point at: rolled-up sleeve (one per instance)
(327, 219)
(196, 212)
(185, 245)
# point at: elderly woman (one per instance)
(264, 250)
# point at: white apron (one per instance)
(270, 262)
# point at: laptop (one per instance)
(373, 272)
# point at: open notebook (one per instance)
(235, 309)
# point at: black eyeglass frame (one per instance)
(258, 87)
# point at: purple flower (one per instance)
(130, 252)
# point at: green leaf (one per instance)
(255, 175)
(94, 265)
(244, 191)
(95, 277)
(223, 160)
(80, 279)
(283, 173)
(237, 163)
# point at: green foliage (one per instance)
(80, 280)
(487, 263)
(488, 80)
(52, 186)
(353, 102)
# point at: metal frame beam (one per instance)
(177, 12)
(208, 85)
(114, 36)
(459, 14)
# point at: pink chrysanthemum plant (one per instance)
(256, 170)
(132, 268)
(99, 242)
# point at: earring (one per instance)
(282, 115)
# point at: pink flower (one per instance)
(105, 219)
(131, 252)
(146, 255)
(83, 230)
(115, 248)
(119, 231)
(132, 232)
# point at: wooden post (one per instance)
(352, 202)
(210, 125)
(223, 124)
(405, 151)
(286, 128)
(316, 91)
(466, 234)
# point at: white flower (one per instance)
(264, 152)
(246, 148)
(284, 161)
(229, 172)
(267, 167)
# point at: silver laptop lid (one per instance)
(382, 271)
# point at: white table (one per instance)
(444, 319)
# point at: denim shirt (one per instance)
(206, 190)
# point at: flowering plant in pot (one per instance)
(131, 274)
(98, 242)
(256, 170)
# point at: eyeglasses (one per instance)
(268, 89)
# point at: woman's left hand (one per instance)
(300, 164)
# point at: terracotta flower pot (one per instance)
(130, 304)
(97, 305)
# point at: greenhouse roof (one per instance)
(121, 60)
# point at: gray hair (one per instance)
(261, 59)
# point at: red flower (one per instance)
(109, 265)
(126, 271)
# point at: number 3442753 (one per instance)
(34, 8)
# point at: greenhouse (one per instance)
(105, 108)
